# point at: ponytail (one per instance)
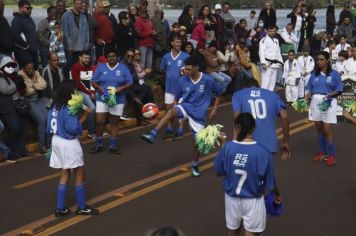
(246, 123)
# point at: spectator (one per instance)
(220, 23)
(44, 33)
(53, 76)
(107, 75)
(225, 56)
(268, 16)
(298, 20)
(5, 151)
(310, 22)
(306, 65)
(145, 41)
(56, 43)
(91, 23)
(349, 52)
(61, 8)
(340, 65)
(243, 56)
(125, 34)
(24, 31)
(82, 73)
(186, 19)
(160, 38)
(199, 34)
(229, 33)
(7, 45)
(104, 33)
(133, 13)
(183, 34)
(8, 113)
(241, 31)
(76, 33)
(35, 84)
(331, 50)
(348, 30)
(291, 41)
(345, 13)
(111, 16)
(255, 37)
(251, 21)
(226, 14)
(189, 48)
(291, 76)
(330, 19)
(350, 67)
(343, 45)
(315, 44)
(209, 24)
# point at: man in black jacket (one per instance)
(125, 34)
(24, 31)
(6, 43)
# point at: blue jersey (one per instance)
(106, 77)
(264, 105)
(247, 169)
(196, 96)
(62, 124)
(323, 84)
(172, 66)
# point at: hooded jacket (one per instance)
(24, 31)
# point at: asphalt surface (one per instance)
(319, 200)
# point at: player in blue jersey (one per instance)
(67, 153)
(111, 74)
(324, 83)
(265, 106)
(196, 90)
(248, 171)
(172, 63)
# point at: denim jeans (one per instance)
(146, 56)
(38, 113)
(4, 150)
(222, 79)
(91, 119)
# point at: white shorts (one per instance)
(66, 153)
(315, 114)
(169, 98)
(195, 126)
(116, 110)
(250, 211)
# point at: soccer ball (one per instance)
(150, 111)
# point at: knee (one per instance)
(114, 120)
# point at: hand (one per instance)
(264, 66)
(101, 90)
(119, 90)
(285, 151)
(148, 70)
(212, 113)
(92, 96)
(222, 138)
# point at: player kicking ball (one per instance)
(248, 171)
(196, 90)
(67, 154)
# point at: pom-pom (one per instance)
(300, 105)
(47, 156)
(325, 104)
(109, 96)
(350, 106)
(207, 138)
(75, 104)
(272, 207)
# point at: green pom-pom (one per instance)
(350, 106)
(300, 105)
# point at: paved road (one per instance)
(146, 187)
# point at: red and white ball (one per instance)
(150, 111)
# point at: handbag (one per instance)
(22, 106)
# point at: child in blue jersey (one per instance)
(67, 153)
(265, 106)
(324, 83)
(195, 90)
(111, 74)
(173, 63)
(248, 172)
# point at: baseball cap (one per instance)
(218, 6)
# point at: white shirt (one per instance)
(340, 66)
(291, 72)
(350, 67)
(269, 49)
(289, 37)
(341, 47)
(306, 64)
(298, 23)
(333, 55)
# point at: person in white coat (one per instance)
(343, 45)
(291, 76)
(340, 65)
(270, 58)
(306, 65)
(289, 36)
(350, 66)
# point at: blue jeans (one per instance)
(146, 56)
(91, 119)
(38, 113)
(4, 150)
(222, 79)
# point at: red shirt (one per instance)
(104, 29)
(144, 29)
(199, 34)
(83, 86)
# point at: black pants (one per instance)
(143, 93)
(16, 130)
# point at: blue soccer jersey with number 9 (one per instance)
(264, 105)
(247, 169)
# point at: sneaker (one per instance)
(105, 133)
(148, 138)
(330, 161)
(61, 213)
(125, 117)
(92, 136)
(195, 171)
(96, 149)
(178, 137)
(319, 157)
(11, 158)
(115, 150)
(167, 136)
(87, 211)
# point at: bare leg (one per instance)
(114, 125)
(233, 232)
(172, 113)
(100, 123)
(168, 108)
(65, 175)
(79, 175)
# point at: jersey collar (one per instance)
(244, 143)
(174, 58)
(107, 64)
(195, 82)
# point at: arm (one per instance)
(286, 153)
(219, 163)
(42, 33)
(16, 29)
(39, 83)
(223, 58)
(76, 77)
(128, 80)
(212, 113)
(66, 31)
(262, 51)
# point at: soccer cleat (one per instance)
(148, 138)
(319, 157)
(61, 213)
(195, 171)
(330, 161)
(96, 149)
(168, 135)
(87, 211)
(115, 150)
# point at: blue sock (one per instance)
(195, 163)
(322, 144)
(61, 195)
(99, 141)
(169, 130)
(331, 148)
(154, 132)
(180, 132)
(80, 196)
(114, 142)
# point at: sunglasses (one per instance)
(130, 56)
(29, 8)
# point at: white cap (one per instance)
(218, 6)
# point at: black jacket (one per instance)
(24, 24)
(6, 40)
(126, 37)
(187, 21)
(268, 20)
